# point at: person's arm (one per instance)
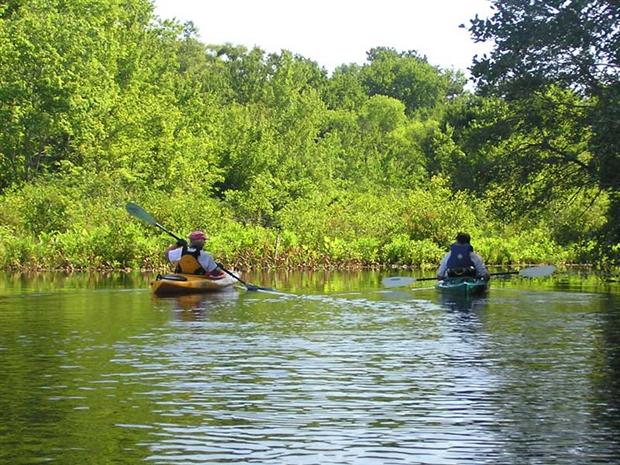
(207, 262)
(173, 253)
(178, 245)
(481, 270)
(441, 272)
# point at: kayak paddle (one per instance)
(533, 272)
(140, 213)
(398, 281)
(249, 287)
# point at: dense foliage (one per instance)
(556, 66)
(283, 164)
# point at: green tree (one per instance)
(572, 45)
(269, 153)
(57, 74)
(345, 89)
(408, 77)
(99, 85)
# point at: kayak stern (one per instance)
(464, 285)
(179, 283)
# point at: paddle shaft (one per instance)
(167, 231)
(534, 272)
(249, 287)
(490, 274)
(136, 210)
(504, 273)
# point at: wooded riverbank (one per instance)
(284, 165)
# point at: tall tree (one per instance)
(100, 85)
(573, 45)
(408, 77)
(62, 68)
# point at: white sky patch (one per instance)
(338, 31)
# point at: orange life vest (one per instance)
(189, 262)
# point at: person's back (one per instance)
(191, 258)
(188, 263)
(461, 260)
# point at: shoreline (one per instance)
(306, 268)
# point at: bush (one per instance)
(404, 251)
(86, 226)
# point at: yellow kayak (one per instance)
(179, 283)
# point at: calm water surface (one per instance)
(334, 370)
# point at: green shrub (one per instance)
(404, 251)
(81, 222)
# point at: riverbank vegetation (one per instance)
(283, 164)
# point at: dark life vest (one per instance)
(459, 256)
(189, 262)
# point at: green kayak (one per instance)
(464, 285)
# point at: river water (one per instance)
(332, 370)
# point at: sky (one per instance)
(335, 32)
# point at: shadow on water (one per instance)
(33, 282)
(558, 344)
(462, 303)
(607, 379)
(559, 340)
(466, 311)
(201, 302)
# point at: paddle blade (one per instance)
(397, 281)
(248, 286)
(139, 212)
(537, 271)
(252, 287)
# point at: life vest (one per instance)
(189, 262)
(459, 256)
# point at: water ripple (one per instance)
(367, 378)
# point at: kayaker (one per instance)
(191, 258)
(462, 260)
